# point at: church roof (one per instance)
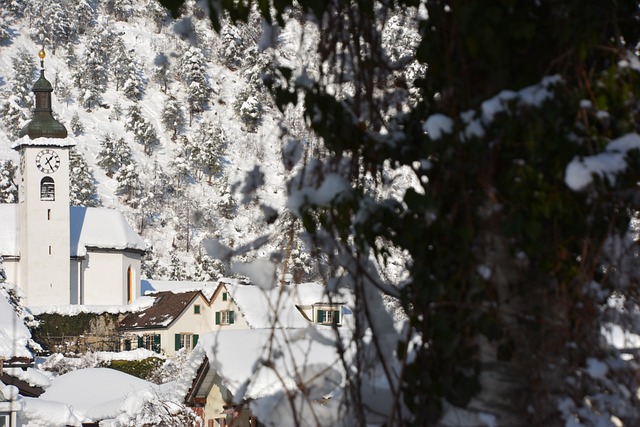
(99, 228)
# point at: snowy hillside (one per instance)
(105, 63)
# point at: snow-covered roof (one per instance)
(167, 308)
(139, 304)
(301, 357)
(101, 228)
(9, 229)
(15, 337)
(95, 393)
(43, 142)
(149, 286)
(260, 306)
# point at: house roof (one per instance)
(150, 286)
(168, 306)
(261, 307)
(99, 228)
(299, 359)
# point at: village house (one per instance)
(298, 365)
(183, 311)
(59, 254)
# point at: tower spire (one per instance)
(43, 125)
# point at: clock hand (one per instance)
(48, 162)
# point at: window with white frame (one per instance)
(328, 315)
(224, 317)
(186, 340)
(5, 419)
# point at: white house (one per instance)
(59, 254)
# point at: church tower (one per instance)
(44, 202)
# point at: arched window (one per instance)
(47, 189)
(129, 285)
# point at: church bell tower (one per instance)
(44, 202)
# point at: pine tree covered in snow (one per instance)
(127, 72)
(85, 14)
(193, 76)
(8, 182)
(82, 186)
(52, 25)
(162, 71)
(92, 75)
(172, 116)
(76, 125)
(209, 145)
(143, 131)
(22, 77)
(129, 185)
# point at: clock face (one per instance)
(47, 161)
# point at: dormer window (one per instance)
(47, 189)
(328, 315)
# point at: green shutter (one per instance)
(178, 342)
(320, 317)
(156, 343)
(336, 316)
(224, 296)
(217, 317)
(231, 317)
(196, 309)
(195, 340)
(140, 341)
(127, 345)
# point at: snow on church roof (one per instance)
(90, 228)
(42, 142)
(101, 228)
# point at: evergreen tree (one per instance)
(177, 270)
(172, 116)
(51, 25)
(22, 77)
(158, 14)
(76, 125)
(8, 182)
(85, 15)
(129, 185)
(121, 10)
(13, 116)
(114, 154)
(82, 184)
(92, 76)
(143, 131)
(192, 72)
(5, 25)
(162, 71)
(127, 71)
(116, 111)
(210, 143)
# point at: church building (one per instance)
(59, 254)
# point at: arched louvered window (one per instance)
(47, 189)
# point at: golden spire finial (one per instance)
(41, 54)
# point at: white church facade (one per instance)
(56, 253)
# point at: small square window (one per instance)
(196, 309)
